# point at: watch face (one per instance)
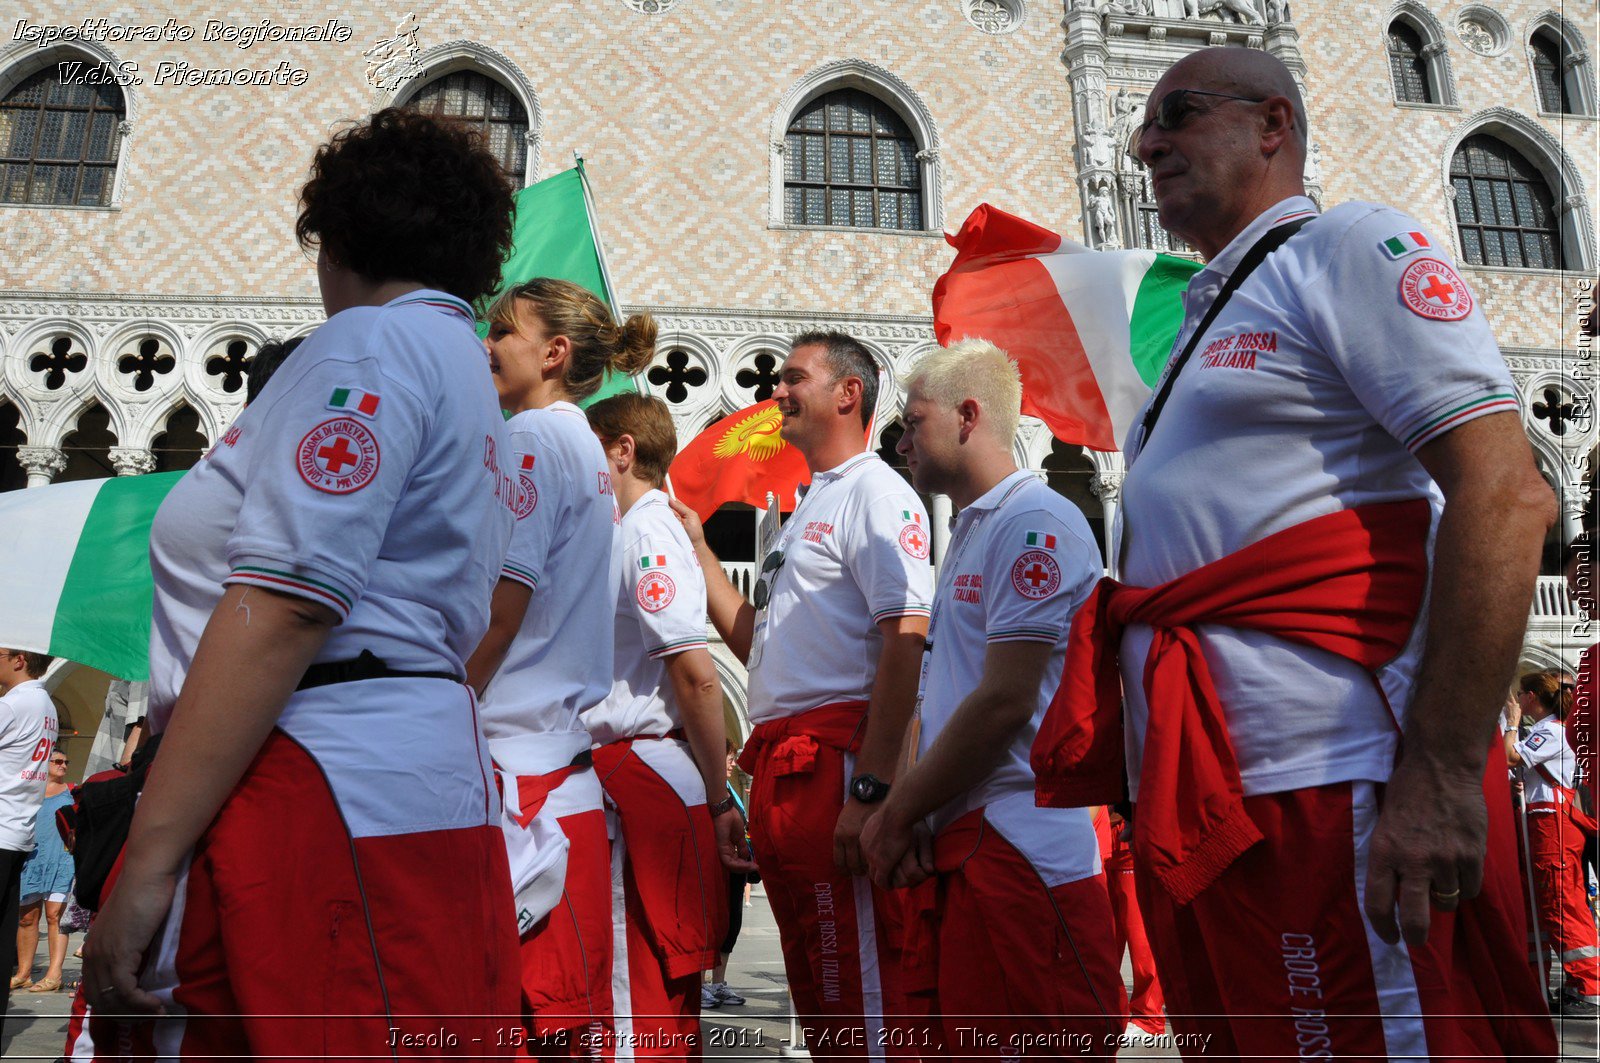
(867, 788)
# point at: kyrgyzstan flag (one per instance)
(739, 459)
(1090, 330)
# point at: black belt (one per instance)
(366, 666)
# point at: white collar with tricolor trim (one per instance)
(443, 302)
(1287, 210)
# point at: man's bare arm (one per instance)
(732, 616)
(1430, 836)
(974, 741)
(894, 695)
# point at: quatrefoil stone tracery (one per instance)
(58, 363)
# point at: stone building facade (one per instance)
(139, 275)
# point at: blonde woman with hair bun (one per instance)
(548, 654)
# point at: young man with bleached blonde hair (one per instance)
(1028, 945)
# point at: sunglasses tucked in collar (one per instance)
(1176, 108)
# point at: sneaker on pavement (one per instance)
(708, 995)
(1133, 1036)
(728, 996)
(1578, 1008)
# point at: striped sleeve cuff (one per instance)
(667, 649)
(1458, 413)
(294, 583)
(1025, 634)
(521, 575)
(896, 612)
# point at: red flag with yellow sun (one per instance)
(739, 459)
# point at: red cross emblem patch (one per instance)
(914, 541)
(655, 591)
(338, 456)
(1036, 575)
(1433, 290)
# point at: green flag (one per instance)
(554, 235)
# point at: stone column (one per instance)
(1107, 487)
(132, 461)
(43, 464)
(939, 516)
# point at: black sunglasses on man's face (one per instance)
(1176, 108)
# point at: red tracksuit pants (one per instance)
(1147, 1005)
(289, 938)
(566, 957)
(1021, 968)
(668, 897)
(1276, 960)
(1565, 919)
(842, 939)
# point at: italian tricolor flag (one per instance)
(649, 561)
(1044, 539)
(355, 400)
(1090, 330)
(79, 585)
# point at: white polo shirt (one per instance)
(27, 734)
(370, 476)
(1545, 744)
(1352, 346)
(564, 548)
(855, 553)
(660, 612)
(1021, 562)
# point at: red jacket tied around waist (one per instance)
(1350, 583)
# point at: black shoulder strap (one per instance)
(1269, 242)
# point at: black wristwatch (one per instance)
(868, 789)
(722, 806)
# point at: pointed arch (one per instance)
(460, 56)
(1578, 76)
(107, 138)
(882, 85)
(1527, 136)
(1433, 51)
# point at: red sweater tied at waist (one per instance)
(1350, 583)
(793, 740)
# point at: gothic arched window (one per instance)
(1549, 73)
(851, 160)
(483, 100)
(1503, 207)
(59, 140)
(1407, 66)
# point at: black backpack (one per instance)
(102, 812)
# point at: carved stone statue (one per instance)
(1103, 215)
(1277, 11)
(1099, 147)
(1242, 10)
(1314, 165)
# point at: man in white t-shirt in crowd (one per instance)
(1331, 530)
(27, 734)
(659, 751)
(1020, 937)
(833, 643)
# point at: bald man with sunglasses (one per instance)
(1332, 491)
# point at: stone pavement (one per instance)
(36, 1026)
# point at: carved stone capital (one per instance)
(779, 147)
(1158, 33)
(43, 464)
(124, 128)
(1433, 48)
(132, 461)
(1217, 39)
(1572, 202)
(928, 155)
(1107, 486)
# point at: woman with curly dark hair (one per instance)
(322, 791)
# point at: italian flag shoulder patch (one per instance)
(1042, 540)
(354, 400)
(1402, 244)
(649, 561)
